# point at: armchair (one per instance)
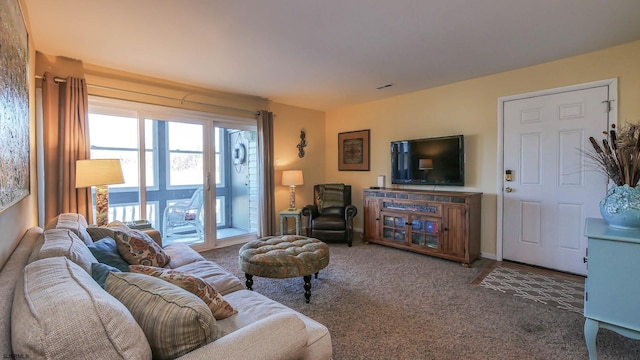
(330, 218)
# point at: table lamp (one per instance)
(99, 173)
(292, 178)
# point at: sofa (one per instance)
(61, 298)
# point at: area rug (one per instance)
(563, 294)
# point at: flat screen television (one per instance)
(432, 161)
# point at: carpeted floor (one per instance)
(383, 303)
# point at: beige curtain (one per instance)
(66, 139)
(267, 223)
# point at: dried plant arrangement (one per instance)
(618, 157)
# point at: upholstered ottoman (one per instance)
(282, 257)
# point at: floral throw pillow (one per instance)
(140, 249)
(220, 308)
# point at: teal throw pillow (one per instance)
(100, 271)
(106, 251)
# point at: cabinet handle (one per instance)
(445, 229)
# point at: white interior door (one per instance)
(553, 187)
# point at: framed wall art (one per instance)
(353, 151)
(14, 105)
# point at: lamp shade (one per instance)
(425, 164)
(97, 172)
(292, 177)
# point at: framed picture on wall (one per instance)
(353, 151)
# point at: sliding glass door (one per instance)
(198, 182)
(236, 181)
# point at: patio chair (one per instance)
(183, 217)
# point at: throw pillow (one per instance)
(106, 251)
(175, 321)
(220, 308)
(62, 242)
(140, 249)
(100, 271)
(60, 312)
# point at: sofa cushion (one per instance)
(215, 275)
(71, 221)
(100, 271)
(253, 306)
(106, 252)
(174, 320)
(61, 242)
(57, 304)
(181, 254)
(140, 249)
(220, 308)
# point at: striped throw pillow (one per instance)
(220, 308)
(174, 321)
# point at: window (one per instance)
(182, 151)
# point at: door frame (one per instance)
(613, 119)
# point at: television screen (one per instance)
(433, 161)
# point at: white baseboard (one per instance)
(485, 255)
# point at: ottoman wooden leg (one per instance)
(307, 288)
(316, 275)
(249, 281)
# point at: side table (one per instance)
(612, 287)
(285, 215)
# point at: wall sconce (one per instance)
(302, 144)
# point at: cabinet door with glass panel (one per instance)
(412, 230)
(394, 227)
(425, 233)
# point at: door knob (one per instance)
(508, 189)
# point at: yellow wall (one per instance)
(288, 121)
(471, 108)
(15, 220)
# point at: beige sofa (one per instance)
(51, 307)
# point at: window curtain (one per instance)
(267, 223)
(66, 139)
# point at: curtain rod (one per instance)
(59, 80)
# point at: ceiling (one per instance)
(326, 54)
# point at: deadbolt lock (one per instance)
(508, 175)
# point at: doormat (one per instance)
(563, 294)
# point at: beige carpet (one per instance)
(383, 303)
